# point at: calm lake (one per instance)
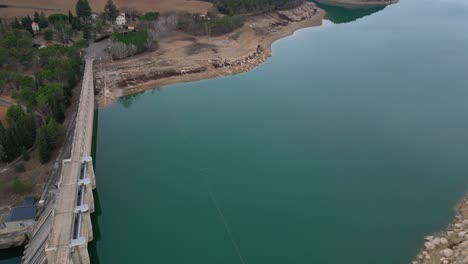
(347, 146)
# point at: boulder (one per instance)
(447, 252)
(429, 245)
(464, 244)
(461, 234)
(443, 241)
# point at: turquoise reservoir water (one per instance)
(347, 146)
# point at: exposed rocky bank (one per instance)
(450, 247)
(185, 58)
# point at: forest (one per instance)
(41, 81)
(236, 7)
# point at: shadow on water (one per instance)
(127, 101)
(341, 14)
(92, 247)
(11, 255)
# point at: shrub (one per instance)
(54, 18)
(20, 167)
(21, 187)
(48, 35)
(138, 39)
(131, 43)
(149, 16)
(119, 50)
(253, 6)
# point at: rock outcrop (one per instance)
(450, 247)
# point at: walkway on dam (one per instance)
(69, 221)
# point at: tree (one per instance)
(13, 114)
(57, 18)
(64, 31)
(86, 32)
(54, 133)
(27, 24)
(48, 138)
(36, 17)
(83, 10)
(99, 25)
(110, 10)
(43, 145)
(19, 135)
(70, 17)
(16, 24)
(76, 24)
(50, 101)
(49, 35)
(2, 152)
(43, 22)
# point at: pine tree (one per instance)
(79, 8)
(83, 10)
(70, 17)
(16, 24)
(87, 12)
(54, 133)
(27, 24)
(43, 22)
(110, 10)
(86, 32)
(36, 17)
(49, 35)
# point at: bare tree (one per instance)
(119, 50)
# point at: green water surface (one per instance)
(347, 146)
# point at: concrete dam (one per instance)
(63, 230)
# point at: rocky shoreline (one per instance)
(450, 247)
(233, 53)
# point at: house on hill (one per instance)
(94, 15)
(121, 20)
(35, 27)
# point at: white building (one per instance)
(94, 16)
(35, 27)
(121, 20)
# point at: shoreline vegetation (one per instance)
(186, 55)
(182, 57)
(213, 57)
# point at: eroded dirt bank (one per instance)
(184, 58)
